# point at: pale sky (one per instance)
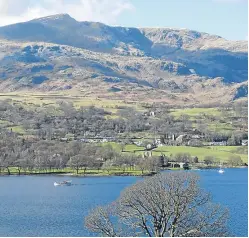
(227, 18)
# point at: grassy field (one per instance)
(127, 148)
(198, 114)
(31, 101)
(218, 127)
(78, 99)
(193, 112)
(4, 123)
(18, 129)
(132, 148)
(221, 153)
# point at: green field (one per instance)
(221, 153)
(77, 98)
(4, 123)
(193, 112)
(33, 101)
(218, 127)
(221, 124)
(127, 148)
(18, 129)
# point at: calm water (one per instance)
(32, 206)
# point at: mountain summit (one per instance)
(62, 16)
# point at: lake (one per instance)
(32, 206)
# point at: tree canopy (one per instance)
(169, 204)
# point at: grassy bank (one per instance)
(221, 153)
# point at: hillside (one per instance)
(160, 64)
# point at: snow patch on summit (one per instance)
(53, 17)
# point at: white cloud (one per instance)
(107, 11)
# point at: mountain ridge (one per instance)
(52, 22)
(174, 60)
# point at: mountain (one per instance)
(57, 52)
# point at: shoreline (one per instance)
(79, 175)
(115, 174)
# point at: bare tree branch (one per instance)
(170, 204)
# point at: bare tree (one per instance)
(122, 145)
(170, 204)
(141, 163)
(235, 160)
(107, 165)
(183, 157)
(75, 162)
(100, 220)
(209, 159)
(152, 164)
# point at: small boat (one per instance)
(65, 183)
(221, 171)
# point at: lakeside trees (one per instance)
(170, 204)
(47, 156)
(235, 160)
(208, 160)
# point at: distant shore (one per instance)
(79, 175)
(101, 174)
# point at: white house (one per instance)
(244, 142)
(220, 143)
